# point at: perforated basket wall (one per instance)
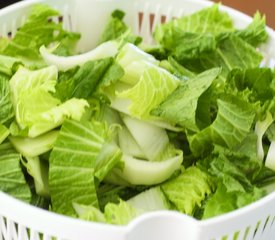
(20, 221)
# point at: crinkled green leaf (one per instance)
(6, 107)
(119, 214)
(255, 33)
(12, 180)
(180, 107)
(208, 20)
(189, 189)
(222, 201)
(232, 124)
(45, 111)
(257, 80)
(232, 52)
(38, 30)
(89, 213)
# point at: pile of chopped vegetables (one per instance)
(186, 124)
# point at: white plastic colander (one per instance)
(20, 221)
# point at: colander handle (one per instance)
(162, 226)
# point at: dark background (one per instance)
(266, 7)
(6, 3)
(249, 7)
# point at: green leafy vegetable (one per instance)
(6, 112)
(232, 52)
(185, 124)
(12, 179)
(189, 189)
(180, 107)
(89, 213)
(39, 170)
(117, 29)
(222, 201)
(134, 62)
(154, 86)
(232, 124)
(77, 157)
(119, 214)
(46, 112)
(208, 20)
(4, 133)
(32, 35)
(84, 81)
(255, 33)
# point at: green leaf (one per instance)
(116, 28)
(222, 201)
(72, 165)
(257, 80)
(180, 107)
(231, 126)
(119, 214)
(109, 157)
(6, 107)
(80, 153)
(226, 169)
(134, 62)
(177, 69)
(185, 45)
(108, 193)
(12, 180)
(271, 132)
(4, 133)
(89, 213)
(46, 112)
(38, 31)
(232, 52)
(189, 189)
(153, 87)
(208, 20)
(83, 81)
(255, 33)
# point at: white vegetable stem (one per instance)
(270, 158)
(128, 144)
(151, 139)
(104, 50)
(32, 147)
(139, 172)
(150, 200)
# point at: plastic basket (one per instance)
(20, 221)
